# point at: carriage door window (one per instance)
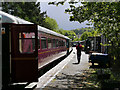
(26, 42)
(43, 43)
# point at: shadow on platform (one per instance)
(73, 82)
(76, 63)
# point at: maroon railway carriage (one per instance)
(25, 47)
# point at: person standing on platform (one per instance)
(79, 49)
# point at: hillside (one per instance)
(82, 30)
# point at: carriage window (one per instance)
(49, 43)
(26, 42)
(54, 43)
(43, 43)
(60, 43)
(64, 43)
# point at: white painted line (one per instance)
(31, 85)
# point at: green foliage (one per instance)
(50, 23)
(104, 15)
(57, 3)
(29, 11)
(67, 33)
(70, 34)
(106, 19)
(76, 39)
(86, 34)
(82, 30)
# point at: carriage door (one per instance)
(24, 54)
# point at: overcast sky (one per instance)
(57, 13)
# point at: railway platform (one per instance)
(67, 74)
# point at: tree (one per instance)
(70, 34)
(105, 16)
(66, 34)
(29, 11)
(85, 35)
(50, 23)
(82, 30)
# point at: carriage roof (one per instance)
(7, 18)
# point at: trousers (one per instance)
(78, 57)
